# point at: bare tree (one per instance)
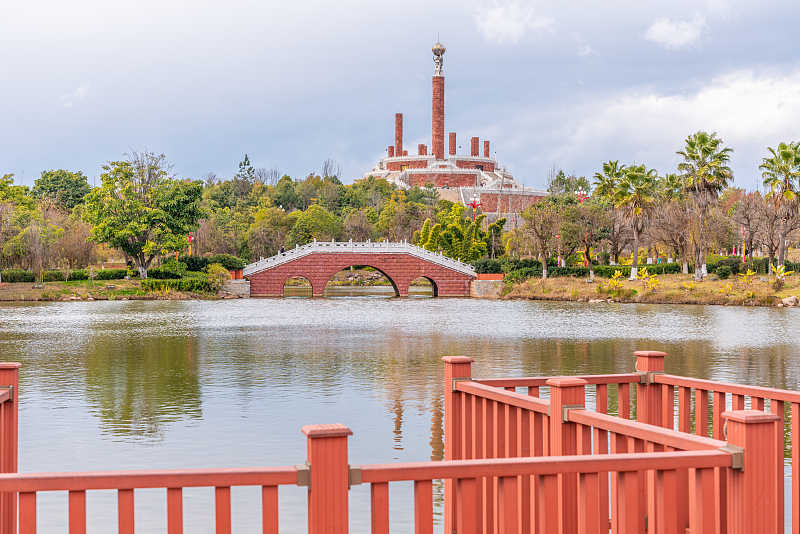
(268, 176)
(210, 178)
(331, 168)
(357, 227)
(747, 214)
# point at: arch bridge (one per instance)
(400, 263)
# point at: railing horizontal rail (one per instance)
(634, 429)
(184, 478)
(548, 465)
(727, 387)
(537, 381)
(507, 397)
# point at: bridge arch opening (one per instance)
(297, 286)
(360, 276)
(423, 286)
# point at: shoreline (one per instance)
(670, 289)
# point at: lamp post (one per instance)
(744, 245)
(558, 236)
(476, 202)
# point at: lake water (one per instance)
(184, 384)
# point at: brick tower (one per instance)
(438, 101)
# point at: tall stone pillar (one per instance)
(398, 134)
(438, 101)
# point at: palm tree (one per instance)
(705, 173)
(781, 175)
(606, 182)
(635, 197)
(605, 186)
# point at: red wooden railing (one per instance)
(513, 463)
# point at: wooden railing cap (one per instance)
(10, 365)
(566, 381)
(457, 359)
(327, 431)
(750, 416)
(650, 353)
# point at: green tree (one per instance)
(635, 198)
(67, 189)
(541, 221)
(781, 175)
(142, 209)
(285, 196)
(19, 195)
(588, 223)
(316, 223)
(705, 173)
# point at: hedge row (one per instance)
(757, 265)
(18, 275)
(195, 285)
(198, 263)
(161, 273)
(606, 271)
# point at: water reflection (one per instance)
(139, 385)
(122, 385)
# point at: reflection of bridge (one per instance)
(400, 263)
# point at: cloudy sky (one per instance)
(571, 84)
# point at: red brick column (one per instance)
(438, 117)
(422, 150)
(454, 367)
(9, 377)
(453, 143)
(753, 490)
(391, 151)
(486, 149)
(398, 134)
(330, 478)
(474, 149)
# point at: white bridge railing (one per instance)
(320, 247)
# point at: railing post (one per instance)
(454, 367)
(565, 393)
(330, 478)
(753, 489)
(9, 378)
(648, 394)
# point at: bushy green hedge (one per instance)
(198, 263)
(13, 276)
(723, 271)
(231, 263)
(18, 275)
(195, 285)
(158, 273)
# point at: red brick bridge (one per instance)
(400, 263)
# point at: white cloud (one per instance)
(504, 21)
(587, 50)
(749, 112)
(719, 7)
(78, 94)
(677, 35)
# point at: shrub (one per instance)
(18, 275)
(111, 274)
(488, 266)
(163, 274)
(231, 263)
(194, 263)
(724, 272)
(217, 276)
(196, 285)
